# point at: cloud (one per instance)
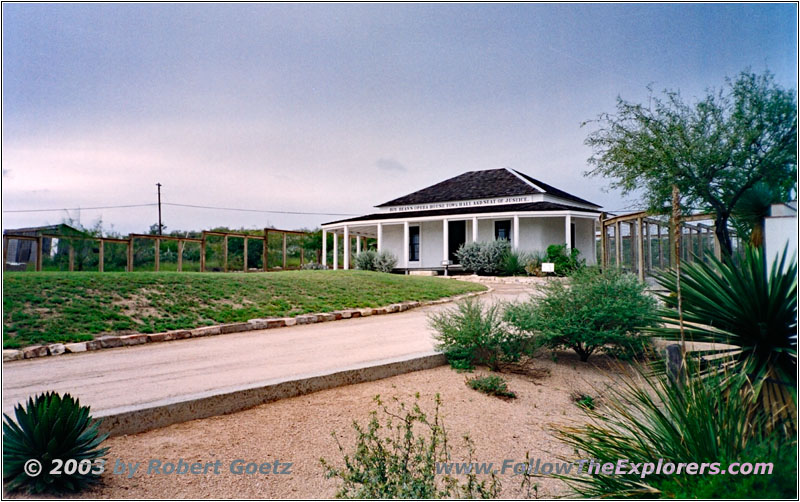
(390, 165)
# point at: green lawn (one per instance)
(50, 307)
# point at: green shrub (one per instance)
(50, 427)
(483, 258)
(533, 266)
(385, 261)
(592, 311)
(750, 305)
(565, 263)
(492, 385)
(514, 263)
(584, 401)
(706, 420)
(366, 260)
(470, 335)
(397, 459)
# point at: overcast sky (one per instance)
(335, 108)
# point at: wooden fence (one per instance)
(650, 241)
(129, 242)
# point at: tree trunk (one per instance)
(722, 233)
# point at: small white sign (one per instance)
(549, 267)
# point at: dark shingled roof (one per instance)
(481, 185)
(526, 206)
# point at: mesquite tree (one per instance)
(714, 150)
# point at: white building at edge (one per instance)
(424, 229)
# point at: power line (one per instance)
(194, 206)
(255, 210)
(74, 208)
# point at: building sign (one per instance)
(496, 201)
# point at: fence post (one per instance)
(603, 250)
(225, 254)
(203, 253)
(245, 254)
(180, 256)
(266, 243)
(71, 257)
(284, 250)
(675, 363)
(5, 251)
(302, 257)
(618, 244)
(158, 254)
(100, 256)
(640, 248)
(39, 241)
(130, 254)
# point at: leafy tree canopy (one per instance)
(715, 149)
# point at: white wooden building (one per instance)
(424, 229)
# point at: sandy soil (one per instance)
(298, 430)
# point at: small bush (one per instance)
(366, 260)
(50, 427)
(492, 385)
(484, 258)
(584, 401)
(470, 335)
(565, 263)
(514, 263)
(533, 266)
(397, 459)
(385, 261)
(314, 266)
(593, 311)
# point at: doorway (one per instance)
(457, 234)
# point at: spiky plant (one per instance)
(648, 417)
(49, 427)
(750, 308)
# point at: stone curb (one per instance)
(143, 417)
(110, 342)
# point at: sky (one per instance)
(323, 108)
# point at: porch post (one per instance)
(335, 250)
(445, 239)
(346, 243)
(358, 245)
(474, 229)
(405, 244)
(515, 233)
(324, 248)
(380, 237)
(567, 230)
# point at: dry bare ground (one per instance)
(298, 430)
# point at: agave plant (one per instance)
(50, 427)
(749, 308)
(647, 418)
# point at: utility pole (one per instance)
(160, 227)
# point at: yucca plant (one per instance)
(649, 417)
(752, 308)
(49, 427)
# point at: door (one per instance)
(457, 234)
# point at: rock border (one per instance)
(111, 342)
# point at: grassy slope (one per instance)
(51, 307)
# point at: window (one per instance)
(502, 230)
(413, 243)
